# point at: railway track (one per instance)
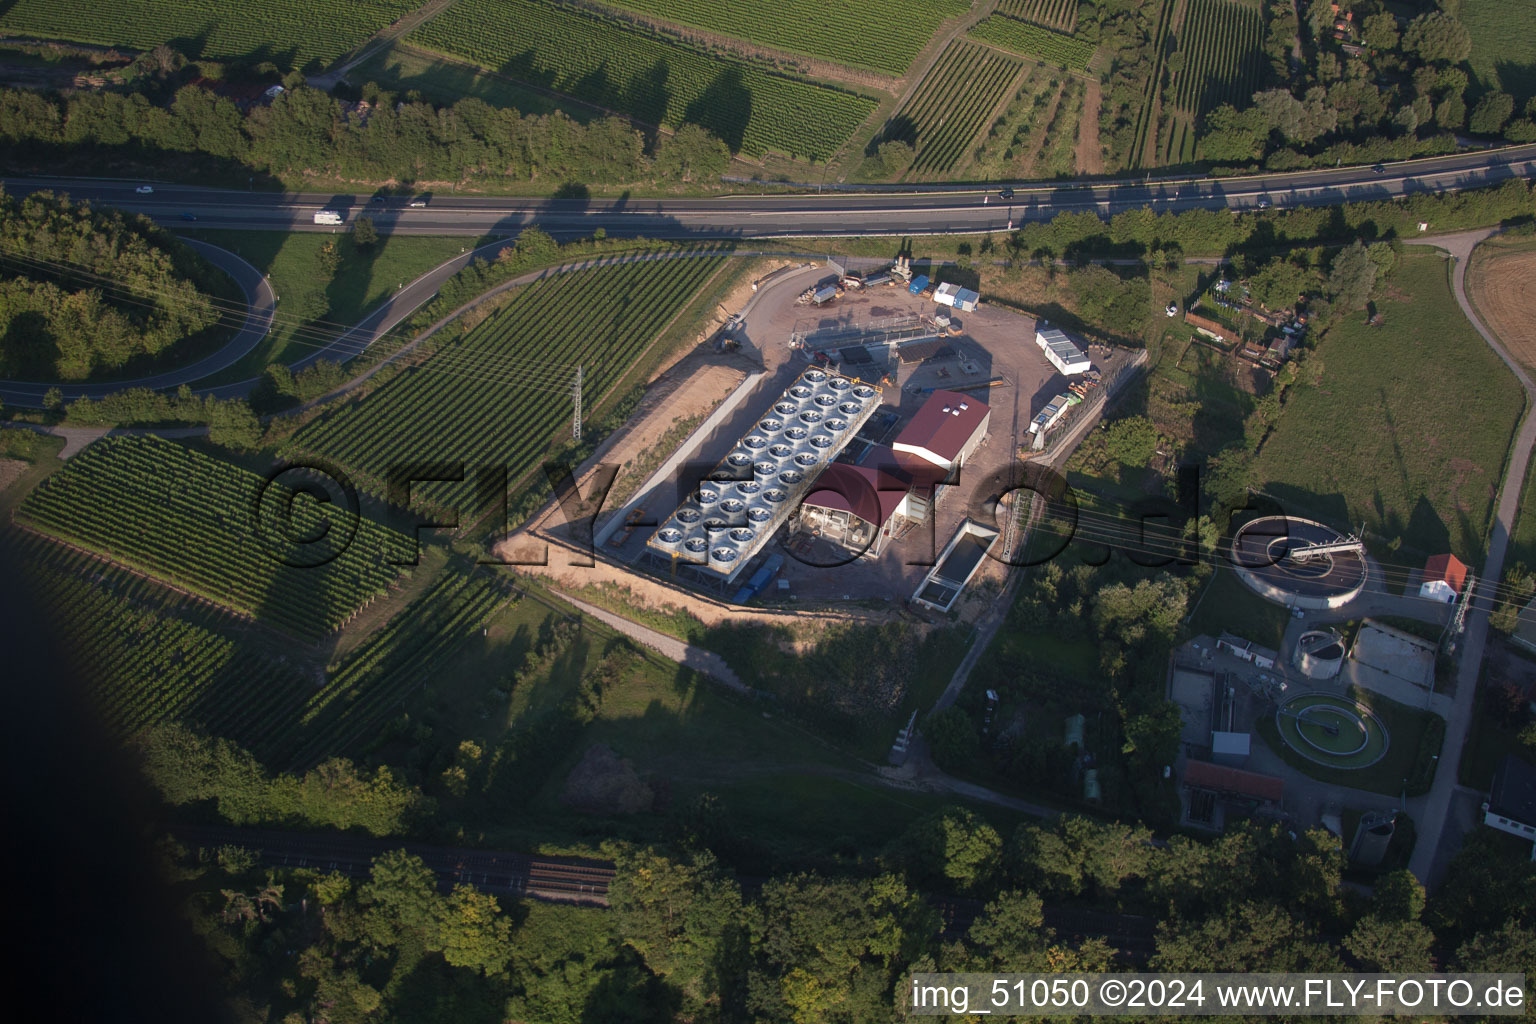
(562, 879)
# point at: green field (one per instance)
(646, 76)
(502, 393)
(365, 278)
(1503, 45)
(890, 32)
(1034, 42)
(1060, 15)
(1408, 428)
(1227, 604)
(1220, 43)
(188, 519)
(952, 105)
(303, 34)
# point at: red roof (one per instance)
(1448, 568)
(942, 432)
(856, 489)
(873, 490)
(1218, 777)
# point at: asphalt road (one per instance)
(941, 209)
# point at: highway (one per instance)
(935, 210)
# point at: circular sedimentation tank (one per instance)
(1264, 555)
(1331, 730)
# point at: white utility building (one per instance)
(1062, 351)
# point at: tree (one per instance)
(1399, 896)
(364, 235)
(1510, 947)
(1351, 277)
(1246, 937)
(1491, 112)
(895, 156)
(828, 951)
(952, 738)
(691, 153)
(684, 917)
(399, 900)
(328, 259)
(52, 399)
(1391, 946)
(1009, 930)
(1451, 113)
(470, 930)
(957, 846)
(232, 424)
(1131, 440)
(1436, 37)
(1380, 31)
(1231, 136)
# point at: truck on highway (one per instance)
(327, 217)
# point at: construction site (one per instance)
(878, 421)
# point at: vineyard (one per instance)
(151, 655)
(1220, 42)
(187, 519)
(1060, 15)
(1035, 42)
(647, 76)
(370, 684)
(952, 105)
(302, 34)
(890, 32)
(494, 397)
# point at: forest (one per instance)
(1379, 88)
(85, 291)
(687, 938)
(307, 132)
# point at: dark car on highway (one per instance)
(1006, 193)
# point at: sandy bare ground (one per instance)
(1502, 285)
(10, 471)
(1090, 155)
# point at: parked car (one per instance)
(145, 190)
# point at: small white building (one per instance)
(1062, 351)
(963, 299)
(1444, 576)
(1263, 657)
(1511, 806)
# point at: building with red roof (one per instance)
(946, 430)
(1444, 576)
(857, 506)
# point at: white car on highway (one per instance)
(145, 190)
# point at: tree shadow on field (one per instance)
(724, 109)
(648, 96)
